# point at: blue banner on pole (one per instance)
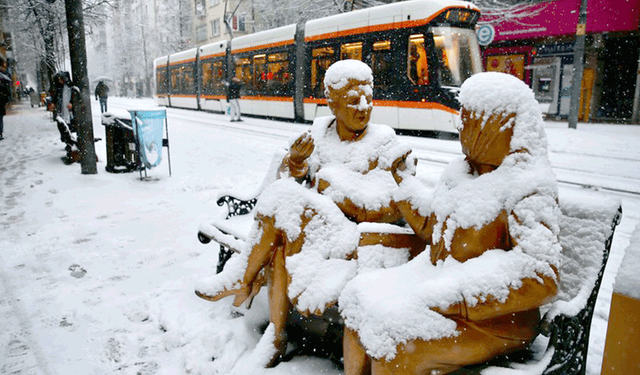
(148, 127)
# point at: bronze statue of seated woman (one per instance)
(492, 226)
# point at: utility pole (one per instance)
(635, 115)
(78, 54)
(578, 66)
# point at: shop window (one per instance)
(351, 51)
(417, 66)
(321, 59)
(510, 64)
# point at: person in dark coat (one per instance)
(233, 94)
(61, 97)
(5, 92)
(102, 93)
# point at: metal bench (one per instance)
(586, 234)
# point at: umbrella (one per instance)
(103, 78)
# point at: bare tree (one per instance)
(269, 14)
(40, 34)
(498, 11)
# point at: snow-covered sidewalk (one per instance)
(97, 272)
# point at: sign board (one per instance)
(485, 34)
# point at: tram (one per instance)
(420, 52)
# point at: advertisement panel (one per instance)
(560, 17)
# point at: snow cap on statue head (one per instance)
(494, 93)
(341, 72)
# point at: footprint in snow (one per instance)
(77, 271)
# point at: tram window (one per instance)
(188, 79)
(212, 76)
(417, 66)
(458, 53)
(278, 76)
(351, 51)
(243, 70)
(321, 59)
(176, 77)
(381, 64)
(259, 71)
(207, 77)
(161, 81)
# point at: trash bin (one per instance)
(121, 149)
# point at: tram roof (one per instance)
(160, 61)
(270, 38)
(385, 17)
(216, 48)
(184, 56)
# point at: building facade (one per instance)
(535, 42)
(209, 20)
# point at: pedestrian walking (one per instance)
(102, 93)
(233, 94)
(5, 92)
(34, 97)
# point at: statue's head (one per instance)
(349, 91)
(499, 117)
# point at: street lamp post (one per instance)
(578, 66)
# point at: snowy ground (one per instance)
(97, 271)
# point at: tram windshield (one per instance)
(459, 54)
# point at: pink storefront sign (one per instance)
(560, 17)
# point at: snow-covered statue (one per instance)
(492, 226)
(306, 236)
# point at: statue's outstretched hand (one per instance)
(301, 149)
(399, 165)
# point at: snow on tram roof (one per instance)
(270, 38)
(183, 56)
(160, 61)
(215, 48)
(394, 15)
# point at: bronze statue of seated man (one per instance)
(492, 225)
(305, 237)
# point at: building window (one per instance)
(200, 8)
(201, 33)
(215, 27)
(238, 23)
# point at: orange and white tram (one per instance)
(420, 52)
